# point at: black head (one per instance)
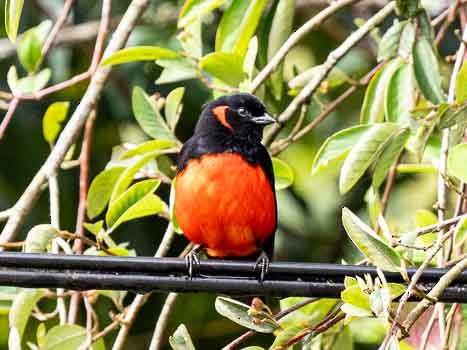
(240, 115)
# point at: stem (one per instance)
(161, 325)
(56, 28)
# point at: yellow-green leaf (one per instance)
(13, 10)
(457, 161)
(53, 119)
(227, 67)
(174, 106)
(283, 174)
(138, 53)
(69, 337)
(461, 85)
(195, 9)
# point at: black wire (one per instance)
(144, 274)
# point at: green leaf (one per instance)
(427, 72)
(336, 147)
(227, 67)
(377, 251)
(22, 307)
(94, 228)
(363, 153)
(137, 202)
(373, 103)
(148, 117)
(238, 313)
(419, 141)
(41, 332)
(101, 189)
(30, 46)
(425, 26)
(138, 53)
(69, 337)
(250, 58)
(13, 9)
(461, 85)
(195, 9)
(452, 116)
(309, 315)
(126, 177)
(28, 84)
(407, 8)
(354, 311)
(191, 39)
(238, 25)
(148, 147)
(406, 42)
(253, 348)
(457, 161)
(460, 231)
(281, 28)
(39, 238)
(53, 119)
(181, 339)
(353, 295)
(389, 44)
(174, 106)
(389, 154)
(283, 174)
(176, 70)
(400, 95)
(374, 205)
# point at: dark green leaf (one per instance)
(176, 70)
(13, 9)
(238, 313)
(427, 72)
(139, 53)
(148, 117)
(336, 147)
(377, 251)
(227, 67)
(181, 339)
(238, 25)
(53, 119)
(425, 26)
(195, 9)
(39, 238)
(457, 161)
(363, 153)
(136, 202)
(391, 151)
(283, 174)
(174, 106)
(407, 8)
(373, 103)
(101, 189)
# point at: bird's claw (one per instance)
(192, 261)
(262, 264)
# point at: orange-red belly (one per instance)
(225, 204)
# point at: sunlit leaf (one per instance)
(176, 70)
(238, 25)
(283, 174)
(28, 84)
(94, 228)
(195, 9)
(13, 9)
(53, 119)
(30, 46)
(461, 85)
(400, 95)
(191, 39)
(363, 153)
(39, 238)
(373, 200)
(427, 72)
(377, 251)
(457, 161)
(101, 189)
(250, 57)
(308, 315)
(227, 67)
(336, 147)
(353, 295)
(138, 53)
(134, 203)
(238, 313)
(22, 307)
(174, 106)
(148, 147)
(355, 311)
(389, 154)
(181, 339)
(148, 117)
(69, 337)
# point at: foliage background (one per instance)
(309, 211)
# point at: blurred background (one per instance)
(309, 211)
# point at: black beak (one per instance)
(265, 119)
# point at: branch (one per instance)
(294, 38)
(69, 134)
(158, 335)
(326, 67)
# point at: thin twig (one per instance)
(56, 28)
(332, 59)
(9, 114)
(161, 325)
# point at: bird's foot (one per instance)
(262, 265)
(192, 261)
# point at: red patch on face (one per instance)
(220, 112)
(225, 204)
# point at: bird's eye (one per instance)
(242, 112)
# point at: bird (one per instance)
(225, 201)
